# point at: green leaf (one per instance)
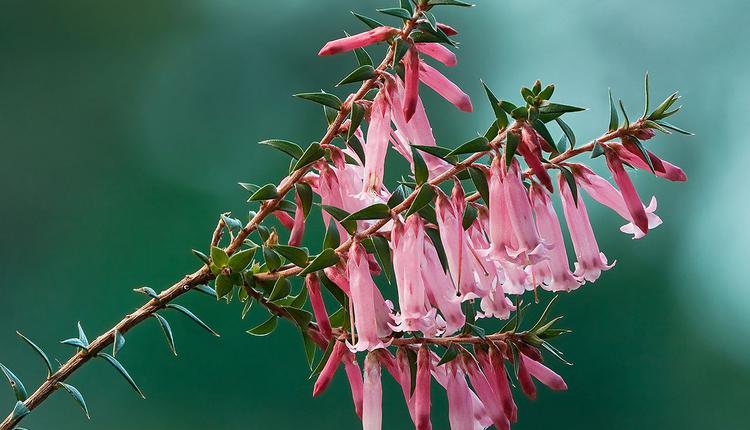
(363, 58)
(544, 132)
(285, 146)
(397, 12)
(78, 343)
(167, 332)
(449, 3)
(624, 115)
(18, 389)
(305, 194)
(368, 21)
(118, 342)
(330, 114)
(383, 252)
(224, 286)
(185, 311)
(546, 94)
(76, 395)
(265, 328)
(424, 196)
(614, 120)
(310, 348)
(203, 257)
(326, 99)
(334, 289)
(674, 128)
(567, 131)
(406, 4)
(300, 299)
(568, 175)
(116, 364)
(358, 113)
(480, 183)
(376, 211)
(325, 259)
(439, 152)
(511, 145)
(340, 215)
(205, 289)
(479, 144)
(361, 73)
(558, 109)
(281, 289)
(301, 317)
(143, 290)
(661, 111)
(597, 151)
(397, 196)
(240, 260)
(450, 354)
(331, 238)
(246, 308)
(38, 351)
(492, 131)
(20, 410)
(421, 173)
(266, 192)
(273, 260)
(82, 334)
(500, 115)
(313, 153)
(400, 49)
(470, 214)
(219, 257)
(323, 360)
(295, 255)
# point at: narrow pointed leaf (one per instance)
(285, 146)
(325, 259)
(383, 252)
(167, 332)
(203, 257)
(567, 131)
(358, 113)
(326, 99)
(116, 364)
(281, 289)
(363, 58)
(118, 342)
(304, 191)
(20, 410)
(78, 343)
(82, 335)
(77, 396)
(421, 174)
(424, 196)
(185, 311)
(500, 115)
(266, 192)
(376, 211)
(397, 12)
(647, 97)
(295, 255)
(544, 132)
(480, 182)
(38, 351)
(361, 73)
(480, 144)
(313, 153)
(265, 328)
(614, 120)
(205, 289)
(450, 354)
(368, 21)
(511, 144)
(18, 389)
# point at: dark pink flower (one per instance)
(378, 135)
(460, 407)
(363, 300)
(438, 52)
(543, 374)
(411, 83)
(354, 375)
(668, 171)
(326, 375)
(483, 388)
(319, 307)
(447, 29)
(443, 86)
(530, 149)
(298, 228)
(628, 191)
(360, 40)
(506, 395)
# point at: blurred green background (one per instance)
(124, 127)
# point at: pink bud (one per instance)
(284, 218)
(354, 375)
(629, 193)
(443, 86)
(669, 171)
(501, 380)
(358, 40)
(411, 84)
(543, 374)
(298, 229)
(319, 307)
(524, 377)
(447, 29)
(372, 405)
(438, 52)
(326, 375)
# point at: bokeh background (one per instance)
(124, 127)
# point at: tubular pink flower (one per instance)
(438, 52)
(483, 388)
(440, 289)
(360, 40)
(443, 86)
(329, 369)
(590, 262)
(670, 171)
(372, 405)
(422, 389)
(382, 310)
(524, 377)
(378, 135)
(411, 83)
(284, 218)
(501, 381)
(631, 146)
(500, 231)
(560, 277)
(404, 380)
(447, 29)
(530, 150)
(298, 229)
(460, 408)
(530, 247)
(354, 375)
(363, 299)
(543, 374)
(319, 307)
(603, 192)
(628, 191)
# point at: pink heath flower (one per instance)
(500, 231)
(354, 375)
(411, 82)
(542, 373)
(498, 382)
(530, 149)
(667, 171)
(329, 369)
(628, 191)
(422, 389)
(284, 218)
(591, 261)
(319, 307)
(363, 300)
(372, 405)
(440, 289)
(530, 247)
(447, 29)
(298, 228)
(443, 86)
(378, 135)
(603, 192)
(503, 385)
(438, 52)
(556, 269)
(360, 40)
(460, 407)
(483, 388)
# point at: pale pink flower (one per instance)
(499, 228)
(284, 218)
(438, 52)
(404, 380)
(556, 269)
(460, 408)
(591, 261)
(360, 40)
(530, 248)
(543, 374)
(363, 300)
(378, 135)
(481, 419)
(440, 289)
(605, 193)
(628, 191)
(354, 375)
(422, 389)
(329, 369)
(319, 307)
(667, 171)
(372, 405)
(483, 388)
(443, 86)
(411, 82)
(530, 149)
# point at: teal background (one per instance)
(124, 127)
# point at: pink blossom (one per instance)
(326, 375)
(298, 229)
(319, 307)
(628, 191)
(483, 388)
(378, 135)
(447, 29)
(354, 375)
(500, 231)
(502, 384)
(438, 52)
(668, 171)
(422, 389)
(440, 289)
(284, 218)
(543, 373)
(559, 276)
(590, 262)
(460, 408)
(360, 40)
(363, 299)
(383, 311)
(443, 86)
(603, 192)
(372, 405)
(530, 247)
(411, 84)
(530, 150)
(524, 377)
(404, 380)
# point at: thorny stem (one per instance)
(204, 275)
